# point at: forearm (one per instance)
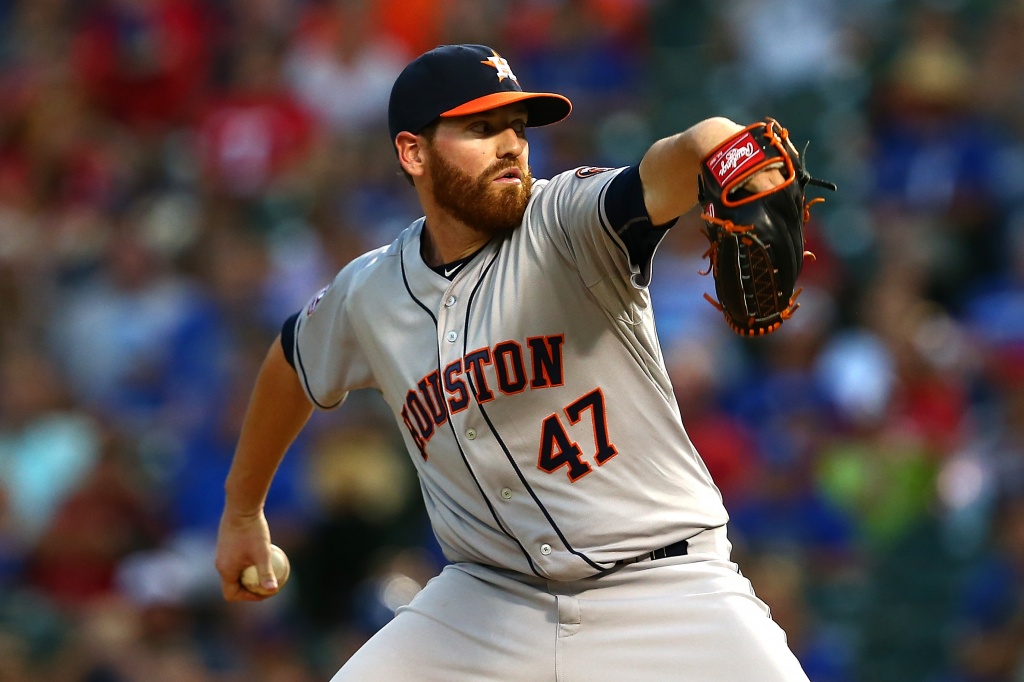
(278, 409)
(670, 167)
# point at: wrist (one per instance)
(705, 136)
(240, 506)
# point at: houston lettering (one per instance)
(507, 368)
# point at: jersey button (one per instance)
(545, 549)
(471, 434)
(449, 302)
(506, 493)
(451, 336)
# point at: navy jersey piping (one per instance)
(627, 217)
(305, 378)
(616, 238)
(497, 436)
(455, 437)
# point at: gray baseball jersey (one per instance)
(530, 388)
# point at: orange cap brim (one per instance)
(544, 107)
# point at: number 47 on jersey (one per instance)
(557, 450)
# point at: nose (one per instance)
(510, 144)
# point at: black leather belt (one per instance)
(675, 549)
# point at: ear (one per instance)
(410, 153)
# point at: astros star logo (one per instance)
(501, 66)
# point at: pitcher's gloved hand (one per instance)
(756, 231)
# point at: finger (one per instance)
(268, 581)
(234, 592)
(765, 179)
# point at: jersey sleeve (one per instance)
(627, 215)
(325, 349)
(598, 217)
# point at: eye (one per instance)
(481, 127)
(519, 127)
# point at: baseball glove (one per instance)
(757, 238)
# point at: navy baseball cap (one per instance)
(456, 80)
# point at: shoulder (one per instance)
(581, 180)
(361, 268)
(375, 261)
(361, 274)
(580, 176)
(575, 192)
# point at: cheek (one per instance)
(472, 162)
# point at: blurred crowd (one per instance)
(179, 176)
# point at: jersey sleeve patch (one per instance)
(590, 171)
(316, 300)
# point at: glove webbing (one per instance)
(759, 271)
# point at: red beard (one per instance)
(478, 202)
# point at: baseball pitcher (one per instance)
(510, 331)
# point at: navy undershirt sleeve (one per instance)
(288, 339)
(627, 213)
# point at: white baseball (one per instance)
(282, 569)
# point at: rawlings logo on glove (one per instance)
(757, 238)
(731, 160)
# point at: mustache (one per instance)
(502, 165)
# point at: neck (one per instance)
(445, 239)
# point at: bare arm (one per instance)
(278, 409)
(670, 167)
